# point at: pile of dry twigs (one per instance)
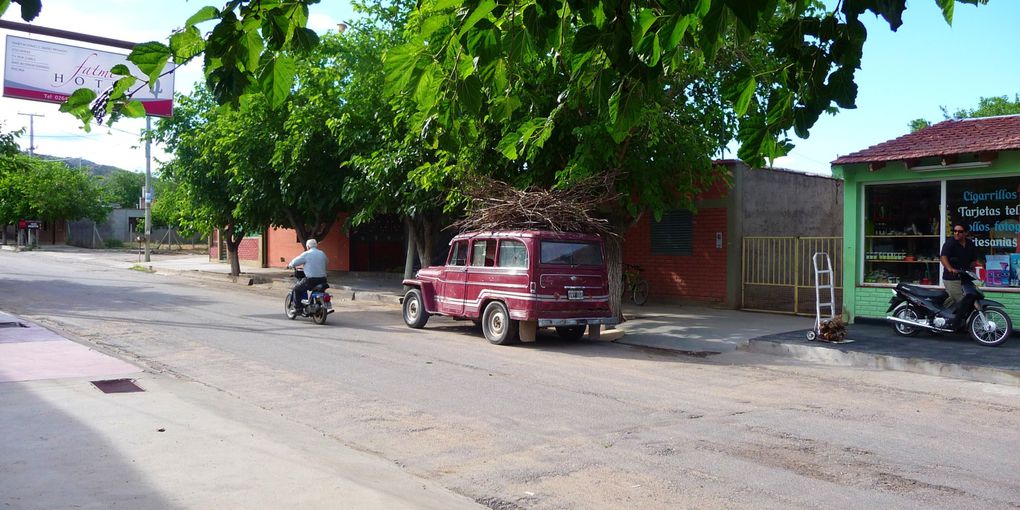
(832, 330)
(496, 205)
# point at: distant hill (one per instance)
(93, 168)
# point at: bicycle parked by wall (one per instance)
(634, 284)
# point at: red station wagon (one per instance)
(515, 282)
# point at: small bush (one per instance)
(113, 243)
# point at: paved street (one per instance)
(546, 425)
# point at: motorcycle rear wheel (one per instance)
(320, 315)
(905, 312)
(288, 307)
(995, 332)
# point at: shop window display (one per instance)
(902, 233)
(904, 228)
(989, 208)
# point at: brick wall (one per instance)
(282, 243)
(700, 276)
(872, 302)
(248, 250)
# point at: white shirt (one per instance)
(314, 261)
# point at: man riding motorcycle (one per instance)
(315, 262)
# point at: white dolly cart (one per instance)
(823, 280)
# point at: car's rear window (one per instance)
(571, 253)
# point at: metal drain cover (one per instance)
(117, 386)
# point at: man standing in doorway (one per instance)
(958, 254)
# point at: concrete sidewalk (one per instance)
(169, 444)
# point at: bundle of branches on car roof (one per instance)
(496, 205)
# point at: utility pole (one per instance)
(31, 131)
(148, 186)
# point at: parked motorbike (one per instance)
(318, 304)
(917, 308)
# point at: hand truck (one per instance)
(823, 280)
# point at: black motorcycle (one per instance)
(915, 308)
(318, 304)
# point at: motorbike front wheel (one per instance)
(288, 307)
(993, 330)
(905, 312)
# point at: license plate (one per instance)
(575, 294)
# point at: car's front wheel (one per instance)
(497, 325)
(415, 315)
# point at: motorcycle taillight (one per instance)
(327, 298)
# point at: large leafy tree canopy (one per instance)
(466, 55)
(620, 58)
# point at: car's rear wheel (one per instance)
(497, 325)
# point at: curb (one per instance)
(836, 356)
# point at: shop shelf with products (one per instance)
(907, 258)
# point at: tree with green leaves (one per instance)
(384, 161)
(202, 171)
(123, 187)
(31, 188)
(987, 107)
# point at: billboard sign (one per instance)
(49, 72)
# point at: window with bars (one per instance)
(674, 234)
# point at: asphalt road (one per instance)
(554, 424)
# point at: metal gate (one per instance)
(777, 275)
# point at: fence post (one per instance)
(796, 275)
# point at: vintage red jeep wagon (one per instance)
(515, 282)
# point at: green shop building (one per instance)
(902, 196)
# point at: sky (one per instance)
(904, 75)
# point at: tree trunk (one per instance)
(614, 267)
(425, 238)
(412, 243)
(322, 230)
(299, 227)
(619, 221)
(233, 241)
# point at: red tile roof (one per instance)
(951, 137)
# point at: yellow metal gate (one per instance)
(777, 274)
